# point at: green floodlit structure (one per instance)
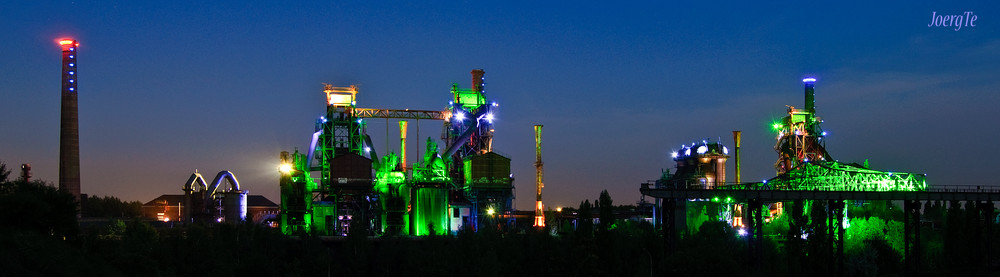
(803, 164)
(341, 184)
(836, 176)
(810, 195)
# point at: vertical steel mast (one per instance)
(539, 213)
(69, 132)
(402, 145)
(737, 138)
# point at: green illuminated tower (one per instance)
(800, 139)
(483, 176)
(296, 194)
(446, 191)
(804, 164)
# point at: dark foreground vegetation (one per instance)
(40, 236)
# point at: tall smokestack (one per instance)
(539, 213)
(402, 144)
(477, 79)
(810, 95)
(810, 104)
(737, 136)
(69, 132)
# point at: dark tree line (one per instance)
(110, 206)
(36, 206)
(40, 236)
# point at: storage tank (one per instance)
(234, 205)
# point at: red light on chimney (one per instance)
(68, 44)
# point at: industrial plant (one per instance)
(803, 164)
(261, 139)
(807, 176)
(330, 189)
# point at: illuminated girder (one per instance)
(402, 114)
(828, 175)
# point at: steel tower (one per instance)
(539, 213)
(800, 139)
(69, 132)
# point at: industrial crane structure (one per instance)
(465, 186)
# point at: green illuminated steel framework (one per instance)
(806, 175)
(800, 138)
(443, 191)
(803, 165)
(831, 175)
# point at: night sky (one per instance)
(170, 87)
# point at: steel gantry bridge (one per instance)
(401, 114)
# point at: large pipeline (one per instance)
(312, 149)
(210, 189)
(468, 133)
(376, 163)
(235, 198)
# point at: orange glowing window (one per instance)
(65, 41)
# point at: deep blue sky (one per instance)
(167, 87)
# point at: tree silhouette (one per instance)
(4, 172)
(38, 206)
(584, 220)
(605, 209)
(110, 206)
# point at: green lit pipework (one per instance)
(803, 164)
(389, 202)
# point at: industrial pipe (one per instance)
(737, 136)
(539, 213)
(468, 133)
(402, 145)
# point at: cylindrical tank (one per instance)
(234, 205)
(720, 172)
(430, 208)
